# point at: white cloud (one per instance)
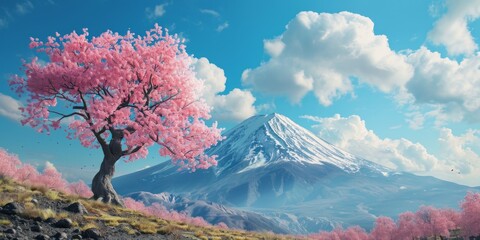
(213, 77)
(210, 12)
(156, 12)
(24, 7)
(415, 119)
(274, 47)
(9, 107)
(449, 89)
(351, 134)
(457, 160)
(458, 150)
(237, 105)
(222, 27)
(320, 53)
(451, 30)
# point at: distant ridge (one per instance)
(271, 165)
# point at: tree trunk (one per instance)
(102, 182)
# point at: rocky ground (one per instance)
(63, 228)
(38, 213)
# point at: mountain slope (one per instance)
(270, 164)
(270, 152)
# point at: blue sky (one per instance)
(396, 82)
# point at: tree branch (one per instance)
(131, 150)
(67, 115)
(154, 106)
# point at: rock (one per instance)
(76, 207)
(76, 231)
(12, 208)
(42, 237)
(91, 233)
(63, 223)
(60, 235)
(36, 228)
(10, 231)
(50, 220)
(77, 236)
(34, 201)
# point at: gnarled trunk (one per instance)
(102, 182)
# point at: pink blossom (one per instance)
(470, 215)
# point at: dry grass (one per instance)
(88, 225)
(128, 230)
(5, 222)
(52, 195)
(112, 223)
(101, 214)
(144, 225)
(168, 230)
(34, 212)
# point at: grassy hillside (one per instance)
(30, 212)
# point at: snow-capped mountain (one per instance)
(264, 140)
(271, 165)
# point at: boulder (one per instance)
(76, 207)
(91, 233)
(63, 223)
(12, 208)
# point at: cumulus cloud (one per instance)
(236, 105)
(156, 12)
(321, 52)
(458, 150)
(9, 107)
(450, 89)
(456, 161)
(451, 30)
(351, 134)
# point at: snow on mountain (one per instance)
(268, 139)
(212, 212)
(268, 164)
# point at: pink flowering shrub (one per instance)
(470, 215)
(12, 167)
(351, 233)
(160, 211)
(426, 222)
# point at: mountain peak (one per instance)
(267, 139)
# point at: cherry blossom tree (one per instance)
(407, 227)
(384, 229)
(351, 233)
(470, 215)
(121, 93)
(432, 222)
